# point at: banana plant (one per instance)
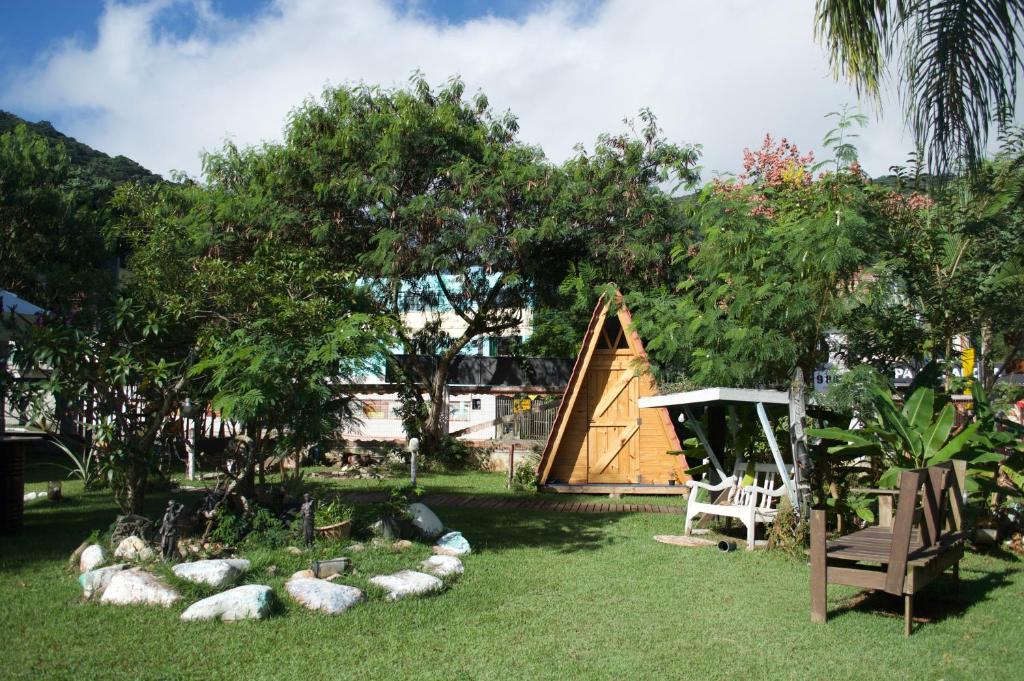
(1000, 461)
(918, 435)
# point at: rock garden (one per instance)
(231, 559)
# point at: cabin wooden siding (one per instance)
(605, 437)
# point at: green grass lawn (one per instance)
(545, 596)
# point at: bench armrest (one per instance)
(728, 482)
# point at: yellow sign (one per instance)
(967, 362)
(967, 365)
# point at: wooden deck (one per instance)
(560, 488)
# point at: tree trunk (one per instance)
(435, 430)
(130, 489)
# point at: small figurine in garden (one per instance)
(169, 530)
(308, 513)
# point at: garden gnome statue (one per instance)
(169, 531)
(308, 511)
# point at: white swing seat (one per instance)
(750, 504)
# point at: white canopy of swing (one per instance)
(759, 398)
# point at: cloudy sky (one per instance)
(160, 81)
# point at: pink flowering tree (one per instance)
(778, 253)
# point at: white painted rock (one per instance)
(135, 549)
(92, 558)
(407, 583)
(215, 573)
(95, 581)
(442, 566)
(138, 587)
(319, 594)
(452, 544)
(426, 521)
(247, 602)
(240, 564)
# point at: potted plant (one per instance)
(333, 520)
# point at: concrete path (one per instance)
(499, 503)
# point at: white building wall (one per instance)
(380, 420)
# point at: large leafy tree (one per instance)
(947, 266)
(622, 217)
(441, 210)
(769, 276)
(279, 326)
(956, 61)
(121, 374)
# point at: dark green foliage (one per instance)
(622, 221)
(454, 455)
(261, 528)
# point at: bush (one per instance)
(456, 455)
(267, 530)
(228, 528)
(332, 512)
(261, 528)
(524, 479)
(789, 532)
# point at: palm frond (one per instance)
(957, 62)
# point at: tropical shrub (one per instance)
(918, 435)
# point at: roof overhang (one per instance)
(712, 395)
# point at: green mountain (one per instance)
(117, 169)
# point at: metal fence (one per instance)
(525, 417)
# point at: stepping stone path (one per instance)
(95, 581)
(452, 544)
(138, 587)
(319, 594)
(407, 583)
(134, 549)
(443, 566)
(426, 521)
(92, 557)
(217, 573)
(250, 601)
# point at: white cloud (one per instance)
(716, 73)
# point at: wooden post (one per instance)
(414, 447)
(885, 510)
(819, 574)
(908, 614)
(511, 463)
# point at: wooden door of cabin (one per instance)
(613, 432)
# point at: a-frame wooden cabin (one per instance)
(601, 441)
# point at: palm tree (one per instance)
(957, 62)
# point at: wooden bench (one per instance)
(924, 540)
(750, 504)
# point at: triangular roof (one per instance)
(590, 342)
